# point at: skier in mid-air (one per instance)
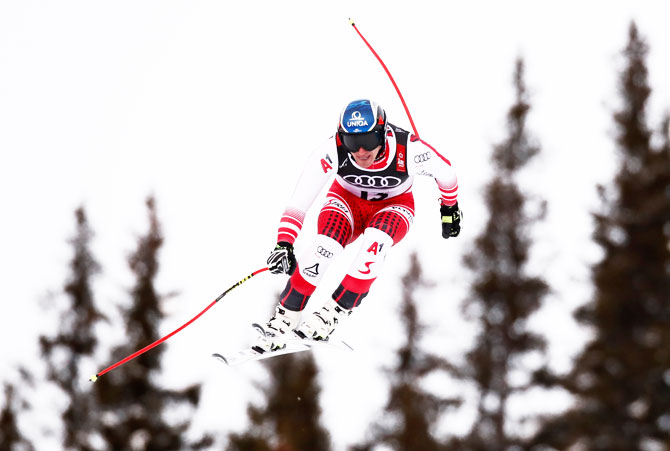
(374, 164)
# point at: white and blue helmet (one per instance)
(362, 124)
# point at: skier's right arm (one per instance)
(319, 168)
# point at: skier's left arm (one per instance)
(423, 159)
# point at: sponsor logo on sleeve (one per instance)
(422, 157)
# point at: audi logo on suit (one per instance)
(422, 157)
(373, 181)
(324, 252)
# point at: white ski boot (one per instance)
(322, 322)
(282, 322)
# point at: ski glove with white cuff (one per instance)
(281, 259)
(451, 220)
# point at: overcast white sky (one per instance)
(213, 106)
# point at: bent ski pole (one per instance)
(416, 133)
(161, 340)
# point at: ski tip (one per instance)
(93, 378)
(351, 21)
(220, 357)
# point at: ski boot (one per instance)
(322, 322)
(282, 322)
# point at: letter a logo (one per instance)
(326, 164)
(374, 248)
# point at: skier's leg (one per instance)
(335, 228)
(387, 227)
(312, 265)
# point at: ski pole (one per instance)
(416, 133)
(161, 340)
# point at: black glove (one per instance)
(451, 220)
(281, 259)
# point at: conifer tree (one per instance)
(75, 340)
(621, 379)
(414, 410)
(132, 406)
(503, 294)
(290, 418)
(11, 438)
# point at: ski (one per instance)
(337, 344)
(294, 344)
(250, 354)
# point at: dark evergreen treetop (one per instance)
(11, 437)
(75, 340)
(621, 380)
(412, 411)
(503, 294)
(290, 416)
(132, 405)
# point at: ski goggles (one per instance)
(368, 141)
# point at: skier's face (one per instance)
(365, 158)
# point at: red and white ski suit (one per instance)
(376, 203)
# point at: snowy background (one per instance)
(213, 106)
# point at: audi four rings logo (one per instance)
(324, 252)
(373, 181)
(423, 157)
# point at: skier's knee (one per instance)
(394, 220)
(336, 222)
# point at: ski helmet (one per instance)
(362, 124)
